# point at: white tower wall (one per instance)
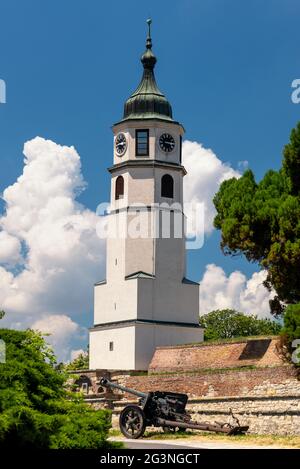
(146, 300)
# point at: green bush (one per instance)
(36, 410)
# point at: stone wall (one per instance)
(255, 352)
(266, 399)
(264, 416)
(266, 381)
(278, 415)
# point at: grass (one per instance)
(211, 370)
(114, 432)
(138, 373)
(288, 441)
(228, 340)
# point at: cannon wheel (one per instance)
(132, 421)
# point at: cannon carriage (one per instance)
(166, 410)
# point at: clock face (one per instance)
(166, 143)
(120, 144)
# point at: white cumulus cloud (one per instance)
(49, 249)
(76, 353)
(205, 173)
(10, 249)
(218, 291)
(62, 331)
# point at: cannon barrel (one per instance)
(108, 384)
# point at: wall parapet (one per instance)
(258, 352)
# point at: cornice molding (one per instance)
(146, 164)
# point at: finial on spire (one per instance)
(148, 58)
(149, 40)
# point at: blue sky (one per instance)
(226, 67)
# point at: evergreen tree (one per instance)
(291, 332)
(262, 222)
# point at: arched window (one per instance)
(119, 187)
(167, 186)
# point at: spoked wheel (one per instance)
(132, 421)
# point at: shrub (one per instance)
(36, 410)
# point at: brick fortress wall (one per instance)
(269, 381)
(256, 352)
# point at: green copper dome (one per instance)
(147, 101)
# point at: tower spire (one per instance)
(147, 101)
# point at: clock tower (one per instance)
(146, 300)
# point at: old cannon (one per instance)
(166, 410)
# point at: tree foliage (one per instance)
(79, 363)
(291, 332)
(36, 410)
(262, 221)
(291, 322)
(228, 323)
